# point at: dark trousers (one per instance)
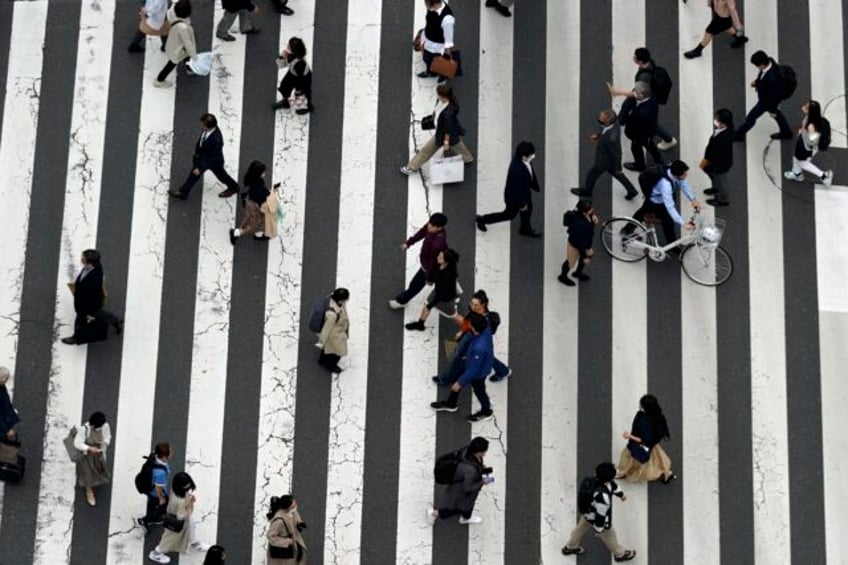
(658, 210)
(415, 286)
(479, 387)
(166, 70)
(508, 214)
(663, 134)
(758, 110)
(445, 513)
(154, 512)
(298, 84)
(719, 181)
(220, 174)
(428, 58)
(329, 360)
(637, 147)
(139, 39)
(595, 173)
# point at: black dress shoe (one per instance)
(631, 195)
(426, 74)
(179, 195)
(499, 8)
(579, 192)
(565, 280)
(631, 166)
(285, 10)
(531, 233)
(779, 135)
(283, 104)
(738, 41)
(69, 340)
(717, 202)
(228, 37)
(233, 237)
(581, 277)
(710, 190)
(481, 225)
(227, 193)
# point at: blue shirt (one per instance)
(160, 477)
(663, 193)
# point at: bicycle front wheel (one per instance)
(709, 266)
(622, 238)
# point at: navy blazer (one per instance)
(88, 292)
(719, 152)
(519, 183)
(211, 153)
(768, 88)
(640, 120)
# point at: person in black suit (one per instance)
(718, 157)
(208, 155)
(767, 84)
(520, 180)
(607, 157)
(88, 303)
(639, 116)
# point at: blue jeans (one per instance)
(454, 370)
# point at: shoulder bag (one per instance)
(279, 551)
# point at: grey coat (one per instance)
(608, 149)
(462, 493)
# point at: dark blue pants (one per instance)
(454, 369)
(220, 174)
(479, 387)
(758, 110)
(154, 513)
(415, 285)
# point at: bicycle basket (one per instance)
(710, 234)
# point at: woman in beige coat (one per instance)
(181, 44)
(284, 532)
(334, 333)
(181, 507)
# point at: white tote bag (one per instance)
(444, 170)
(202, 64)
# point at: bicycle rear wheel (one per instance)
(621, 236)
(709, 266)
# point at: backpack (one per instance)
(649, 178)
(444, 470)
(144, 478)
(494, 321)
(568, 218)
(787, 81)
(586, 494)
(824, 135)
(661, 84)
(316, 315)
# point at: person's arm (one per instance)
(447, 28)
(79, 439)
(415, 238)
(618, 91)
(668, 200)
(278, 535)
(107, 436)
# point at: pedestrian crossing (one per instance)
(215, 356)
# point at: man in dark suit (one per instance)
(520, 180)
(607, 157)
(767, 84)
(208, 155)
(91, 321)
(718, 157)
(639, 116)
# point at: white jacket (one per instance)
(82, 435)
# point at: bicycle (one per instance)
(702, 258)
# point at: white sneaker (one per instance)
(432, 514)
(159, 557)
(666, 145)
(395, 305)
(162, 83)
(789, 175)
(200, 546)
(475, 519)
(827, 179)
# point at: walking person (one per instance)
(661, 202)
(445, 293)
(92, 321)
(725, 20)
(811, 138)
(208, 156)
(434, 241)
(459, 496)
(644, 459)
(718, 157)
(639, 116)
(448, 131)
(160, 474)
(8, 415)
(286, 545)
(521, 179)
(243, 9)
(594, 501)
(92, 440)
(578, 249)
(500, 6)
(607, 157)
(253, 198)
(438, 35)
(298, 77)
(153, 20)
(334, 333)
(769, 97)
(181, 44)
(478, 365)
(179, 532)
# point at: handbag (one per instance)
(418, 41)
(201, 65)
(428, 122)
(171, 522)
(639, 452)
(446, 170)
(74, 454)
(444, 66)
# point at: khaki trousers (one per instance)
(609, 537)
(430, 149)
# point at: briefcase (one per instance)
(13, 472)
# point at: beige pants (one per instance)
(430, 149)
(609, 537)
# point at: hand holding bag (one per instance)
(444, 66)
(282, 551)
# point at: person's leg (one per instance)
(668, 225)
(638, 150)
(459, 148)
(453, 398)
(137, 43)
(622, 178)
(445, 513)
(720, 184)
(245, 23)
(577, 533)
(507, 215)
(524, 218)
(809, 166)
(591, 178)
(287, 85)
(796, 166)
(653, 150)
(785, 130)
(166, 70)
(751, 119)
(479, 387)
(610, 539)
(663, 134)
(501, 370)
(428, 59)
(190, 182)
(415, 286)
(222, 175)
(223, 29)
(424, 154)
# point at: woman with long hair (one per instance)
(298, 77)
(178, 533)
(807, 145)
(286, 545)
(445, 289)
(253, 197)
(643, 459)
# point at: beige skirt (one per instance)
(657, 466)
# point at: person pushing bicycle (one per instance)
(660, 201)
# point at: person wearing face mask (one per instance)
(718, 157)
(449, 132)
(607, 157)
(286, 545)
(520, 180)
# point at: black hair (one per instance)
(162, 450)
(209, 120)
(478, 445)
(814, 114)
(584, 206)
(182, 9)
(725, 116)
(642, 55)
(279, 503)
(91, 257)
(760, 59)
(254, 173)
(438, 220)
(297, 48)
(605, 472)
(654, 411)
(97, 420)
(451, 256)
(182, 484)
(678, 167)
(340, 294)
(482, 297)
(524, 149)
(478, 322)
(215, 556)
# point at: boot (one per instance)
(694, 53)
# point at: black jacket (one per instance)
(581, 232)
(257, 192)
(719, 152)
(211, 153)
(640, 120)
(519, 183)
(88, 292)
(236, 5)
(448, 123)
(768, 88)
(608, 149)
(445, 284)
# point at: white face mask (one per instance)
(530, 158)
(716, 124)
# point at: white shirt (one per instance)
(447, 29)
(529, 168)
(156, 11)
(205, 135)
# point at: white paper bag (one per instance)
(445, 170)
(202, 64)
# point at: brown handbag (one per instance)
(444, 67)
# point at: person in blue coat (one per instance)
(478, 365)
(520, 180)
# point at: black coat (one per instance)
(768, 88)
(581, 232)
(448, 123)
(608, 149)
(640, 121)
(719, 152)
(88, 292)
(519, 183)
(236, 5)
(211, 153)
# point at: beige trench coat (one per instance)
(335, 330)
(181, 42)
(282, 525)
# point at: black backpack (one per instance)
(568, 218)
(316, 315)
(824, 134)
(494, 321)
(649, 178)
(787, 81)
(661, 84)
(144, 478)
(586, 494)
(445, 468)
